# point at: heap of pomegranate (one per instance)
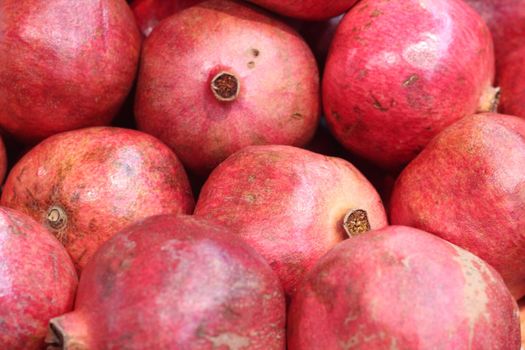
(262, 174)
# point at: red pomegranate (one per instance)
(512, 82)
(401, 288)
(290, 204)
(64, 64)
(388, 89)
(307, 9)
(468, 187)
(174, 283)
(506, 20)
(37, 281)
(220, 76)
(86, 185)
(149, 13)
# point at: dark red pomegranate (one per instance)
(506, 20)
(307, 9)
(64, 64)
(512, 83)
(149, 13)
(290, 204)
(86, 185)
(174, 283)
(388, 88)
(468, 187)
(37, 281)
(401, 288)
(220, 76)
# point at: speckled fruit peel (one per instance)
(37, 281)
(402, 288)
(64, 64)
(506, 20)
(149, 13)
(307, 9)
(290, 204)
(86, 185)
(398, 72)
(512, 83)
(468, 187)
(220, 76)
(173, 282)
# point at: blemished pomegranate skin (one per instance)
(86, 185)
(290, 205)
(468, 187)
(512, 83)
(149, 13)
(222, 75)
(398, 72)
(307, 9)
(37, 281)
(402, 288)
(506, 20)
(64, 64)
(173, 282)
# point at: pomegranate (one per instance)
(402, 288)
(220, 76)
(307, 9)
(512, 82)
(85, 185)
(64, 64)
(468, 187)
(388, 89)
(204, 290)
(149, 13)
(506, 20)
(522, 322)
(290, 204)
(37, 281)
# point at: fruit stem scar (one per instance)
(56, 217)
(356, 222)
(225, 86)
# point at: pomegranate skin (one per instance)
(277, 100)
(388, 89)
(307, 9)
(37, 281)
(64, 64)
(86, 185)
(402, 288)
(506, 20)
(512, 83)
(149, 13)
(204, 291)
(288, 203)
(468, 187)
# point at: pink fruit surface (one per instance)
(402, 288)
(220, 76)
(506, 20)
(174, 283)
(398, 72)
(37, 281)
(290, 204)
(64, 64)
(86, 185)
(149, 13)
(512, 83)
(468, 187)
(307, 9)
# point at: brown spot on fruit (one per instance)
(255, 52)
(251, 64)
(56, 218)
(411, 80)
